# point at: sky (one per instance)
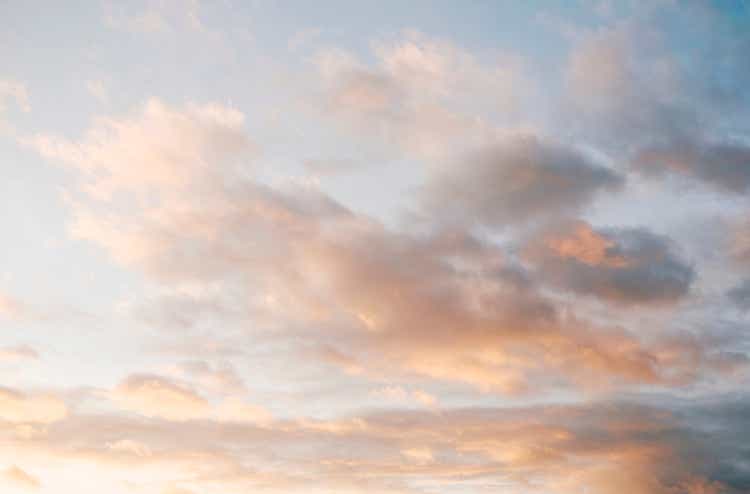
(424, 247)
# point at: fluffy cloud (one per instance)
(441, 304)
(156, 151)
(519, 178)
(627, 266)
(420, 96)
(725, 165)
(501, 345)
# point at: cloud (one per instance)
(609, 447)
(158, 397)
(216, 378)
(724, 165)
(155, 396)
(625, 87)
(19, 478)
(440, 302)
(625, 266)
(235, 410)
(425, 398)
(176, 490)
(442, 308)
(633, 94)
(128, 446)
(519, 178)
(421, 456)
(525, 350)
(21, 352)
(20, 407)
(738, 242)
(420, 96)
(157, 150)
(341, 360)
(159, 154)
(398, 394)
(740, 295)
(155, 17)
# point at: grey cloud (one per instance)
(628, 266)
(624, 88)
(517, 179)
(630, 93)
(740, 295)
(725, 165)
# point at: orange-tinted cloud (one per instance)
(607, 447)
(20, 478)
(442, 304)
(154, 396)
(626, 266)
(20, 407)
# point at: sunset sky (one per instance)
(391, 247)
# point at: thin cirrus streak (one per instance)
(396, 249)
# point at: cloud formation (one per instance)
(626, 266)
(444, 304)
(605, 447)
(519, 178)
(375, 260)
(723, 165)
(420, 96)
